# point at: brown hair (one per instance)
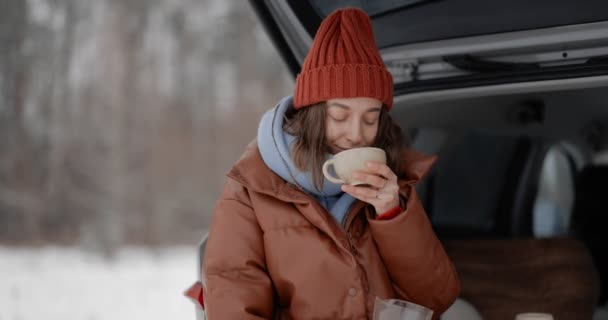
(307, 124)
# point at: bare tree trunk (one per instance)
(16, 148)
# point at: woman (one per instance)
(285, 242)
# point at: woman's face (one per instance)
(351, 123)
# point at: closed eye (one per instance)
(370, 120)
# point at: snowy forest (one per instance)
(120, 118)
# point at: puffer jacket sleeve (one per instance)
(415, 259)
(236, 284)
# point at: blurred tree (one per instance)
(120, 118)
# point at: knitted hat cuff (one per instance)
(343, 81)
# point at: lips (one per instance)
(340, 149)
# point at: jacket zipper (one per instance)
(349, 236)
(350, 241)
(343, 227)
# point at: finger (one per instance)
(364, 199)
(381, 169)
(371, 179)
(391, 187)
(362, 193)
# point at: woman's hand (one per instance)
(382, 190)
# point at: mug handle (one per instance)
(328, 175)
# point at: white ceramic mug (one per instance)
(348, 161)
(534, 316)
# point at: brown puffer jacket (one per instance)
(274, 252)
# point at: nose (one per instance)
(355, 133)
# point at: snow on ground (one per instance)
(69, 284)
(66, 283)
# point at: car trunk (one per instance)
(438, 45)
(503, 82)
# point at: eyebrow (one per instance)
(343, 106)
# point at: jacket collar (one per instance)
(417, 165)
(251, 171)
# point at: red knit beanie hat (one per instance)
(343, 62)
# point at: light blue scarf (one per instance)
(275, 145)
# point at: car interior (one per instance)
(516, 198)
